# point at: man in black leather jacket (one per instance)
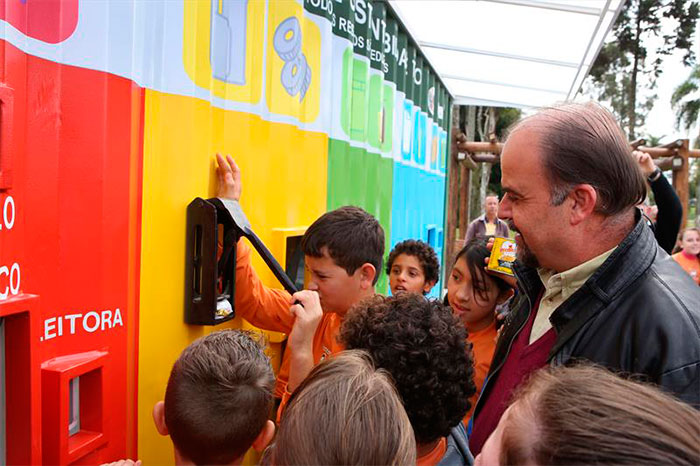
(594, 284)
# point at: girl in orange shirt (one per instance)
(689, 256)
(473, 296)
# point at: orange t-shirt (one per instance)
(483, 345)
(434, 456)
(690, 264)
(268, 309)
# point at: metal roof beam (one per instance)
(453, 48)
(576, 83)
(467, 100)
(499, 83)
(584, 10)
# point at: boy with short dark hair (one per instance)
(218, 400)
(412, 266)
(424, 349)
(343, 252)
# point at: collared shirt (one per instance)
(558, 287)
(478, 228)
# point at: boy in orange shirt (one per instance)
(412, 266)
(343, 252)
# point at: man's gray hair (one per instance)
(582, 143)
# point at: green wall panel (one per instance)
(364, 179)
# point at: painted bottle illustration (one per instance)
(406, 128)
(420, 121)
(228, 40)
(443, 151)
(381, 111)
(355, 101)
(434, 147)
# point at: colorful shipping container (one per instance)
(110, 115)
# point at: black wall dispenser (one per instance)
(214, 226)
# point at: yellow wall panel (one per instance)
(284, 187)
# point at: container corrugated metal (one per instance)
(111, 114)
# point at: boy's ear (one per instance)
(367, 274)
(428, 286)
(264, 437)
(159, 418)
(505, 295)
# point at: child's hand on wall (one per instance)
(229, 178)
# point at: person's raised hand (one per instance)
(645, 162)
(509, 279)
(229, 178)
(307, 316)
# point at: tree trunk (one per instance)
(632, 104)
(697, 194)
(453, 198)
(473, 122)
(485, 124)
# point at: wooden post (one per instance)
(464, 189)
(681, 177)
(453, 192)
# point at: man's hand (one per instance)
(510, 280)
(307, 317)
(645, 162)
(229, 178)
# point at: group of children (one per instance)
(436, 356)
(393, 381)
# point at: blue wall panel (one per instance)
(418, 209)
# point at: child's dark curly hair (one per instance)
(425, 254)
(424, 348)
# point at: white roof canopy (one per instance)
(516, 53)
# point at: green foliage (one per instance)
(628, 64)
(505, 117)
(653, 141)
(687, 110)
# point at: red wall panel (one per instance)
(76, 166)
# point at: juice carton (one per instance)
(502, 256)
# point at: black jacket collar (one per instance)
(632, 257)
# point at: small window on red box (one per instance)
(74, 406)
(85, 409)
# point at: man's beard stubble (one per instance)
(524, 254)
